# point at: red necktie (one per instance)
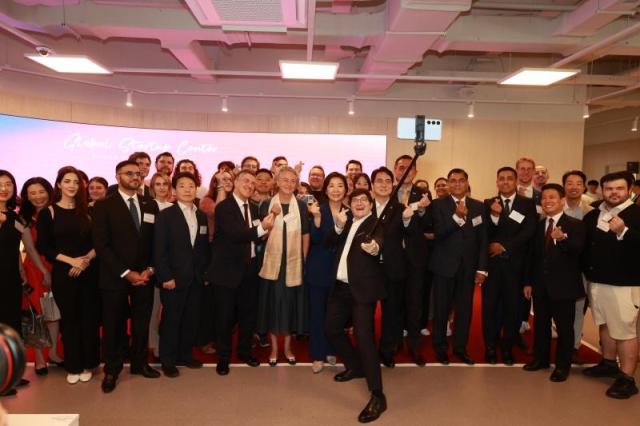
(547, 235)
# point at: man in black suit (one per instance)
(415, 250)
(143, 161)
(611, 267)
(234, 269)
(459, 261)
(555, 281)
(123, 227)
(396, 223)
(511, 222)
(181, 254)
(359, 285)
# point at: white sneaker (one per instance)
(317, 367)
(449, 332)
(331, 359)
(86, 375)
(72, 379)
(425, 332)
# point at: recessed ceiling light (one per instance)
(302, 70)
(76, 64)
(537, 76)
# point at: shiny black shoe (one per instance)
(192, 364)
(559, 374)
(375, 407)
(604, 368)
(109, 383)
(623, 388)
(42, 371)
(491, 357)
(507, 357)
(223, 367)
(347, 375)
(22, 382)
(535, 365)
(464, 357)
(170, 370)
(250, 361)
(145, 371)
(387, 360)
(442, 357)
(417, 358)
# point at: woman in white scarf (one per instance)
(281, 309)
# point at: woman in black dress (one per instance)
(64, 237)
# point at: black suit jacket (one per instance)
(174, 256)
(113, 190)
(559, 269)
(231, 240)
(394, 262)
(514, 237)
(119, 245)
(415, 243)
(366, 277)
(457, 245)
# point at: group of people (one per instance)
(174, 265)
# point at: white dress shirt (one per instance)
(528, 190)
(261, 230)
(455, 217)
(343, 274)
(495, 219)
(191, 218)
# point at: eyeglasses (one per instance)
(360, 200)
(130, 174)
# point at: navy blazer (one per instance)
(321, 259)
(458, 246)
(174, 256)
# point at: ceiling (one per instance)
(394, 55)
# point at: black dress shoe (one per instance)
(192, 363)
(559, 374)
(376, 406)
(387, 360)
(250, 361)
(507, 357)
(464, 357)
(623, 388)
(145, 371)
(604, 368)
(109, 383)
(535, 365)
(442, 357)
(42, 371)
(170, 370)
(491, 357)
(417, 358)
(10, 392)
(347, 375)
(223, 367)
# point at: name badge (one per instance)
(256, 222)
(203, 230)
(476, 221)
(149, 218)
(19, 226)
(516, 215)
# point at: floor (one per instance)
(434, 395)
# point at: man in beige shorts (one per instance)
(613, 244)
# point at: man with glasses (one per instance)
(143, 161)
(316, 181)
(123, 227)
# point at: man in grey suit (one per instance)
(459, 261)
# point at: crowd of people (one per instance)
(169, 264)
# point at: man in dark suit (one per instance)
(234, 269)
(143, 161)
(359, 285)
(459, 261)
(415, 250)
(181, 254)
(123, 235)
(511, 221)
(555, 281)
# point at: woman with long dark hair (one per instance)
(64, 237)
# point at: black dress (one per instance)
(10, 280)
(77, 297)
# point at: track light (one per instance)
(585, 111)
(129, 102)
(471, 110)
(634, 128)
(351, 109)
(224, 108)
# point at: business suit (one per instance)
(501, 291)
(120, 247)
(146, 192)
(459, 251)
(356, 301)
(177, 258)
(233, 272)
(556, 280)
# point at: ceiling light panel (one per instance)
(73, 64)
(537, 76)
(301, 70)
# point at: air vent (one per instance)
(276, 14)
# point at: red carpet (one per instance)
(475, 346)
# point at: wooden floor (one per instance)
(284, 395)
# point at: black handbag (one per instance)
(34, 329)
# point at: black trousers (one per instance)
(179, 323)
(243, 301)
(456, 292)
(426, 298)
(413, 295)
(206, 323)
(77, 299)
(501, 294)
(392, 316)
(115, 311)
(342, 309)
(563, 313)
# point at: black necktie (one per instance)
(507, 210)
(246, 221)
(134, 213)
